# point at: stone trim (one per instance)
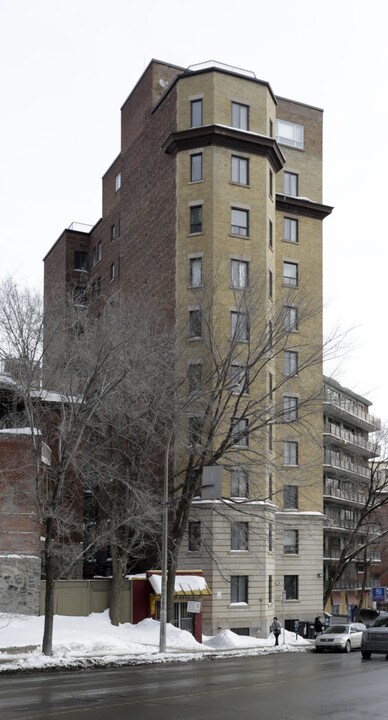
(222, 135)
(302, 206)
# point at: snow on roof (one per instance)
(6, 380)
(185, 584)
(20, 431)
(55, 397)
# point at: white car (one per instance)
(340, 637)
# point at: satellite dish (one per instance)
(163, 83)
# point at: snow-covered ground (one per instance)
(86, 641)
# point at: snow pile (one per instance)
(87, 641)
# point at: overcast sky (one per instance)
(68, 65)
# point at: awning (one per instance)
(351, 597)
(185, 585)
(336, 597)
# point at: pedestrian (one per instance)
(318, 626)
(276, 629)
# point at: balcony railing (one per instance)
(349, 437)
(344, 494)
(344, 463)
(335, 554)
(345, 405)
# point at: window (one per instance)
(270, 588)
(196, 167)
(239, 378)
(360, 567)
(270, 437)
(270, 127)
(270, 183)
(290, 497)
(239, 222)
(195, 431)
(239, 274)
(290, 183)
(290, 318)
(270, 334)
(290, 452)
(239, 482)
(80, 296)
(94, 256)
(240, 116)
(196, 272)
(80, 260)
(96, 289)
(239, 588)
(270, 233)
(291, 587)
(194, 374)
(290, 362)
(196, 219)
(290, 274)
(194, 536)
(270, 284)
(239, 326)
(195, 323)
(270, 387)
(118, 182)
(112, 232)
(99, 251)
(290, 230)
(270, 487)
(112, 272)
(290, 542)
(239, 536)
(240, 432)
(270, 537)
(196, 113)
(290, 408)
(289, 133)
(240, 170)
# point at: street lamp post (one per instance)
(163, 592)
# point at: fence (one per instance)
(82, 597)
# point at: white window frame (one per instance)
(290, 133)
(291, 181)
(239, 272)
(239, 326)
(118, 182)
(195, 271)
(240, 115)
(290, 273)
(290, 230)
(196, 172)
(290, 453)
(240, 170)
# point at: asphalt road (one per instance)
(299, 686)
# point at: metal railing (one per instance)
(344, 494)
(349, 437)
(352, 408)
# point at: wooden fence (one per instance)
(82, 597)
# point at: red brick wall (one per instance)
(19, 521)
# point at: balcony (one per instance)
(342, 407)
(345, 494)
(358, 444)
(345, 465)
(335, 553)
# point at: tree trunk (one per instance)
(116, 588)
(47, 645)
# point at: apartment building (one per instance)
(348, 449)
(217, 189)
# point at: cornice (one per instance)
(302, 206)
(229, 137)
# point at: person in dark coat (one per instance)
(276, 628)
(318, 625)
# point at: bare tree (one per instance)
(93, 364)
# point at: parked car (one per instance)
(375, 638)
(343, 637)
